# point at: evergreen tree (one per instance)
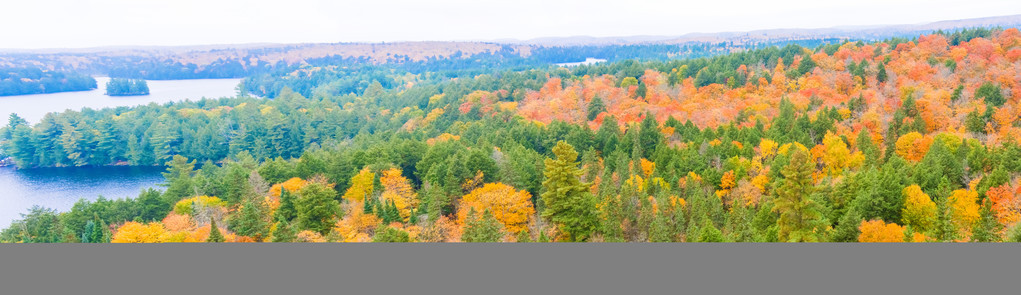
(881, 75)
(287, 210)
(595, 107)
(799, 214)
(284, 232)
(214, 232)
(386, 234)
(987, 228)
(567, 201)
(848, 228)
(709, 233)
(524, 236)
(482, 229)
(248, 220)
(317, 206)
(945, 230)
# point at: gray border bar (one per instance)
(510, 268)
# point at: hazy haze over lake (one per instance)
(34, 106)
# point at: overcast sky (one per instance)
(90, 23)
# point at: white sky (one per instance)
(89, 23)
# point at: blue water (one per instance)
(59, 188)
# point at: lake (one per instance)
(32, 107)
(59, 188)
(588, 61)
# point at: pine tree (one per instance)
(945, 229)
(386, 234)
(524, 236)
(987, 228)
(214, 232)
(659, 231)
(90, 227)
(709, 233)
(284, 233)
(848, 228)
(367, 206)
(482, 229)
(286, 211)
(567, 201)
(881, 75)
(317, 207)
(799, 214)
(248, 221)
(595, 107)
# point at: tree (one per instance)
(799, 214)
(595, 107)
(134, 232)
(482, 229)
(877, 231)
(709, 233)
(397, 189)
(287, 210)
(881, 73)
(986, 229)
(284, 233)
(178, 175)
(991, 93)
(567, 201)
(361, 186)
(964, 208)
(919, 210)
(248, 220)
(513, 208)
(388, 234)
(317, 207)
(214, 233)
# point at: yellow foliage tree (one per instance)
(361, 186)
(511, 207)
(396, 188)
(877, 231)
(919, 210)
(648, 167)
(767, 148)
(134, 232)
(964, 209)
(837, 156)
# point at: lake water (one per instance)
(59, 188)
(588, 61)
(33, 107)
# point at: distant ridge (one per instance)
(871, 32)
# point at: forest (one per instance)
(904, 140)
(126, 87)
(32, 80)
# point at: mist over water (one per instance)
(34, 106)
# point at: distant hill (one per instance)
(242, 60)
(875, 32)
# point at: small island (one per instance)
(126, 87)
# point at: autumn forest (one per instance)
(902, 140)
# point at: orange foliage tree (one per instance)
(398, 189)
(511, 207)
(877, 231)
